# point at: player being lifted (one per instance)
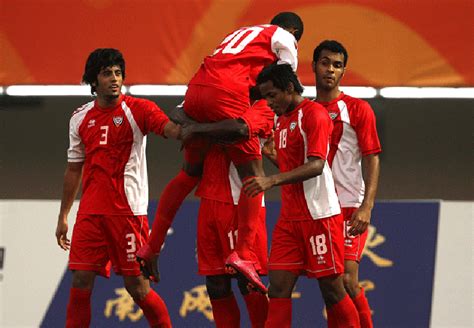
(219, 91)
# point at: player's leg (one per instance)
(285, 264)
(124, 235)
(152, 305)
(224, 305)
(87, 258)
(257, 303)
(79, 305)
(173, 196)
(357, 294)
(353, 249)
(247, 160)
(281, 286)
(325, 244)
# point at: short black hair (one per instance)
(99, 59)
(333, 46)
(289, 19)
(281, 76)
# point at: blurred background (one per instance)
(411, 60)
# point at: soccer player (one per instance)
(107, 152)
(218, 91)
(354, 160)
(217, 235)
(308, 237)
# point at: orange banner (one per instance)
(390, 42)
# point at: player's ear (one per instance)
(313, 66)
(290, 88)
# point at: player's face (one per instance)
(278, 100)
(329, 69)
(109, 82)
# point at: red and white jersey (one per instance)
(354, 136)
(299, 134)
(220, 180)
(237, 61)
(111, 142)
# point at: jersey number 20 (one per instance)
(237, 41)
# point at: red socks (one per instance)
(248, 212)
(363, 308)
(257, 307)
(343, 314)
(279, 313)
(170, 201)
(226, 312)
(155, 310)
(79, 308)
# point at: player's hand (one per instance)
(178, 116)
(148, 263)
(359, 221)
(149, 268)
(61, 234)
(268, 148)
(253, 186)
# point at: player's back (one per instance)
(240, 57)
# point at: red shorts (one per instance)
(98, 240)
(217, 237)
(353, 245)
(211, 104)
(311, 247)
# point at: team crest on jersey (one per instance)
(91, 123)
(333, 115)
(292, 126)
(118, 120)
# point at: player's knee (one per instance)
(83, 279)
(332, 289)
(218, 288)
(351, 284)
(137, 287)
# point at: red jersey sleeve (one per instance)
(149, 117)
(366, 130)
(259, 119)
(317, 125)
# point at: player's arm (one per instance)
(370, 172)
(72, 181)
(310, 169)
(269, 150)
(229, 130)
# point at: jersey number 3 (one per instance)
(237, 41)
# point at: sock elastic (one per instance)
(343, 314)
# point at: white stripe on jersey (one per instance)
(76, 152)
(135, 173)
(319, 192)
(347, 164)
(284, 47)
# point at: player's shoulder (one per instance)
(82, 110)
(355, 103)
(314, 107)
(135, 103)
